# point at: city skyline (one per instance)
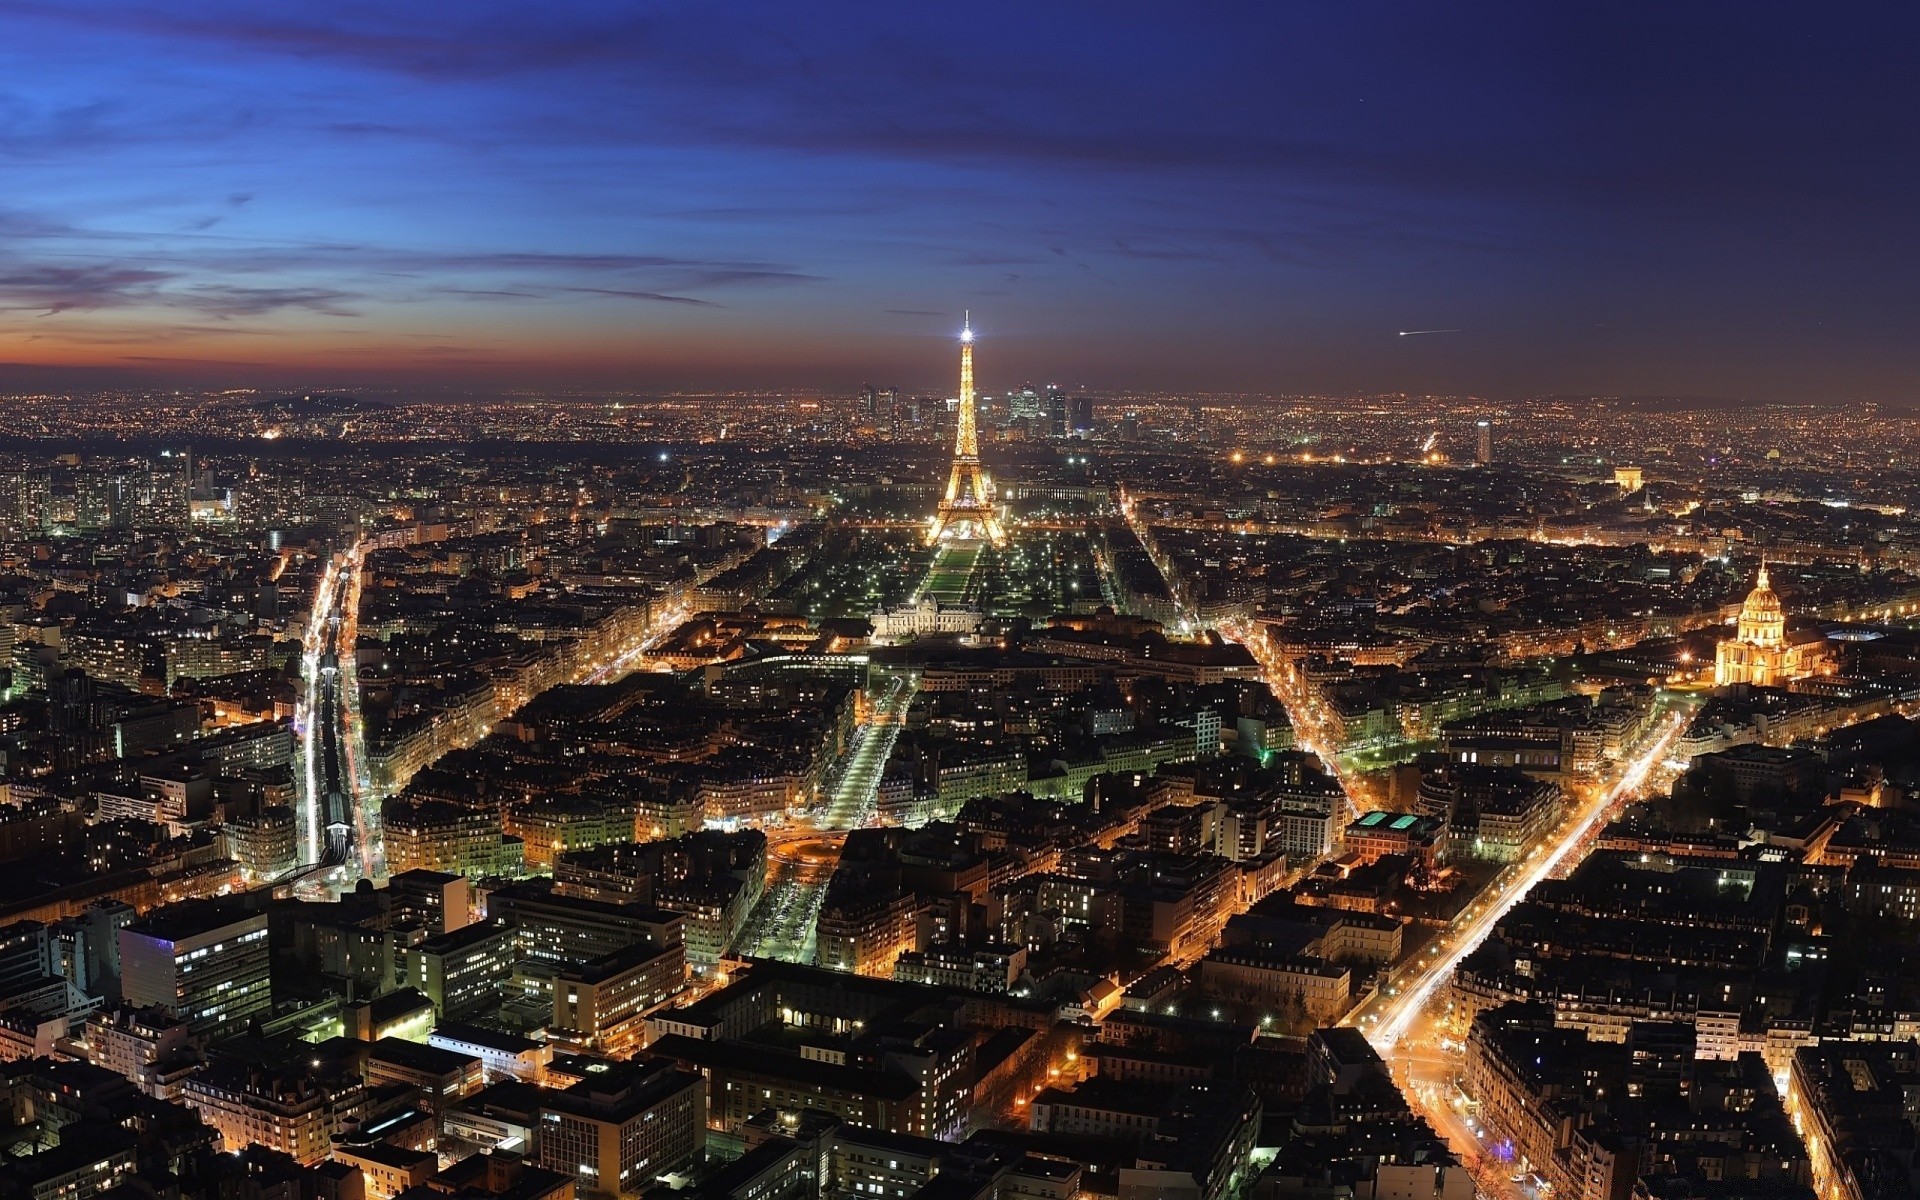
(1617, 201)
(1011, 602)
(675, 800)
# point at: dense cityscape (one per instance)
(1028, 601)
(1194, 796)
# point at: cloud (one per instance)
(638, 295)
(230, 278)
(536, 266)
(728, 276)
(52, 289)
(983, 259)
(447, 48)
(171, 361)
(888, 88)
(20, 225)
(228, 301)
(141, 333)
(224, 162)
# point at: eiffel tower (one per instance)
(967, 512)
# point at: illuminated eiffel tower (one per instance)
(967, 512)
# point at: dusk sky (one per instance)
(1670, 198)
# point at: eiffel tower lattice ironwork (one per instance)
(967, 512)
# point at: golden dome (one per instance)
(1762, 600)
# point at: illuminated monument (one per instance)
(1762, 650)
(966, 513)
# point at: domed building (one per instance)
(1761, 650)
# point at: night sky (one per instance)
(1662, 198)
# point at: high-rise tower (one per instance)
(967, 510)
